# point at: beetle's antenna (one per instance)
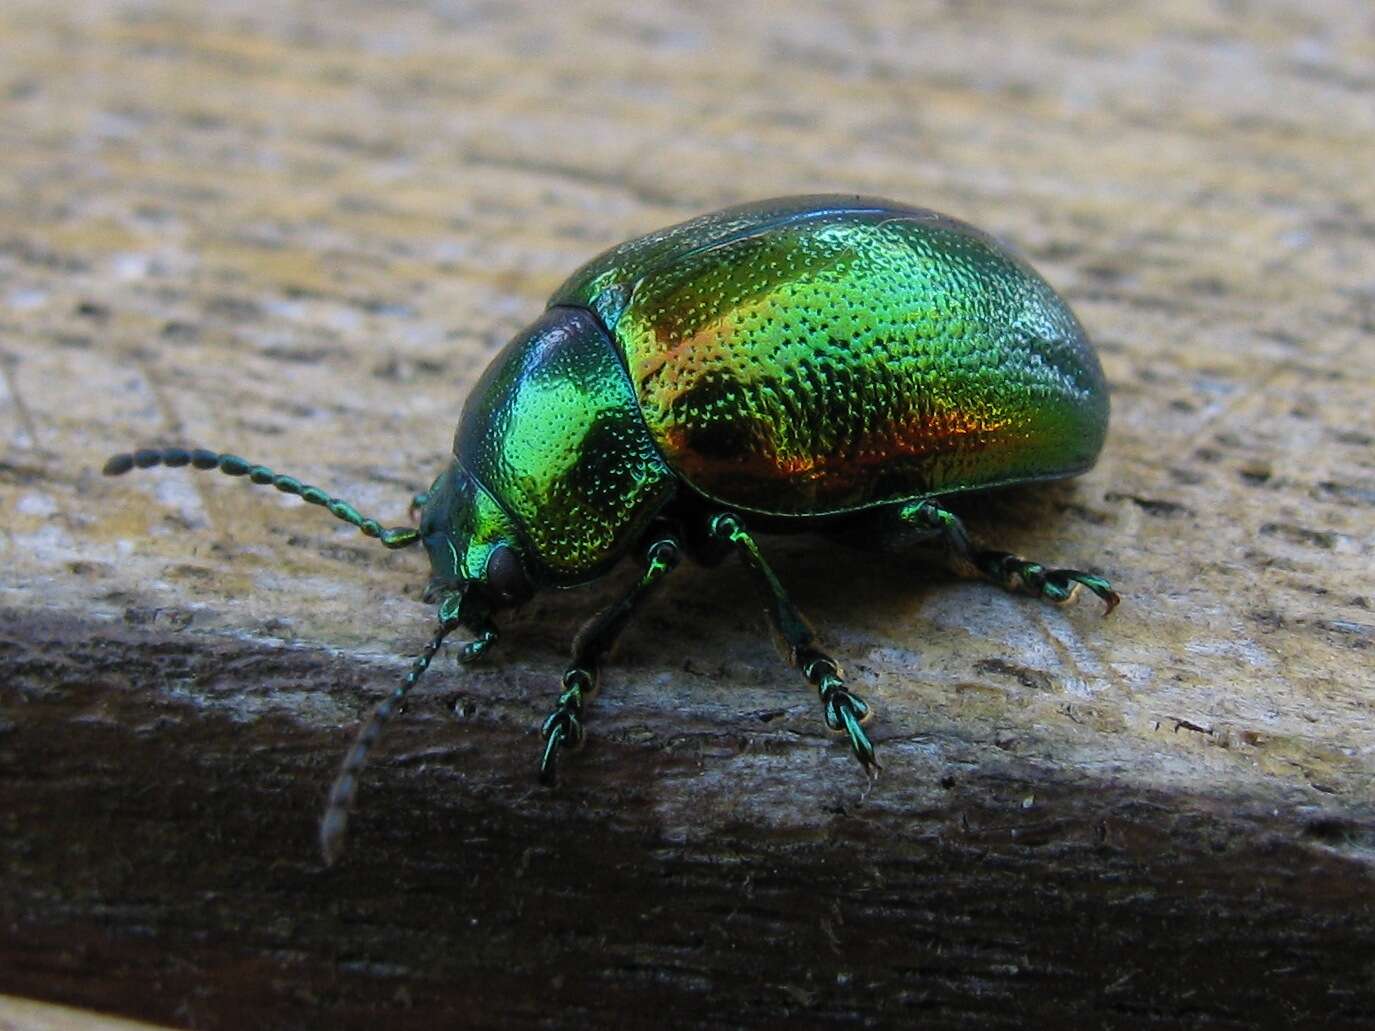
(233, 465)
(345, 787)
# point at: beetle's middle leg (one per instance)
(844, 710)
(563, 728)
(1006, 570)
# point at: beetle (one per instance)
(839, 364)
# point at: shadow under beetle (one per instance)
(832, 363)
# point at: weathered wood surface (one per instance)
(298, 231)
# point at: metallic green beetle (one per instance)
(832, 363)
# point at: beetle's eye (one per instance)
(506, 579)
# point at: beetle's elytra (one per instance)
(830, 363)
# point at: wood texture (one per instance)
(297, 232)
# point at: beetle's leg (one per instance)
(999, 567)
(345, 787)
(563, 728)
(844, 710)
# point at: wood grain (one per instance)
(298, 232)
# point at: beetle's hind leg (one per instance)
(563, 728)
(844, 710)
(999, 567)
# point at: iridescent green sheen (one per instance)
(816, 355)
(553, 431)
(461, 525)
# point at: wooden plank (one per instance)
(301, 237)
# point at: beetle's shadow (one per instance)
(703, 616)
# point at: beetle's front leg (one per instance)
(844, 710)
(1000, 567)
(563, 728)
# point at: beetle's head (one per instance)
(475, 551)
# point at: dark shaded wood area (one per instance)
(299, 232)
(184, 886)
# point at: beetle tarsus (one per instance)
(1058, 586)
(1000, 567)
(844, 710)
(563, 727)
(561, 730)
(1065, 584)
(548, 761)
